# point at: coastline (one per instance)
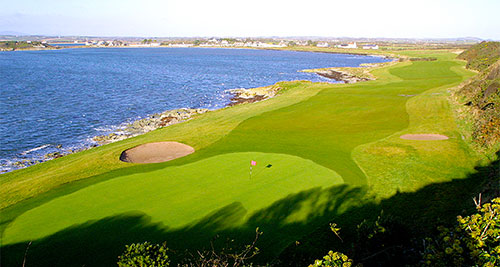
(150, 123)
(350, 74)
(170, 117)
(307, 49)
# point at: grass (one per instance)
(331, 147)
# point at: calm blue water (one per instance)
(68, 96)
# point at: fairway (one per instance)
(320, 148)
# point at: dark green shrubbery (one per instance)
(144, 255)
(333, 259)
(155, 255)
(474, 241)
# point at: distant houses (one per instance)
(354, 46)
(241, 43)
(104, 43)
(217, 42)
(348, 46)
(370, 46)
(181, 45)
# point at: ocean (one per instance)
(57, 100)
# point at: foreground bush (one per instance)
(475, 241)
(333, 259)
(154, 255)
(144, 255)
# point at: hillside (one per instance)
(479, 97)
(479, 57)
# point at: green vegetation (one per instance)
(478, 103)
(324, 152)
(333, 259)
(474, 241)
(148, 41)
(19, 45)
(144, 255)
(479, 57)
(478, 100)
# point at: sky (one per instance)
(254, 18)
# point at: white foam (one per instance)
(35, 149)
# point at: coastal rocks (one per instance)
(148, 124)
(241, 96)
(53, 155)
(145, 125)
(170, 117)
(24, 163)
(342, 76)
(350, 74)
(110, 138)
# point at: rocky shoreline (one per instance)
(341, 76)
(149, 124)
(350, 74)
(155, 121)
(170, 117)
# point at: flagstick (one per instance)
(250, 171)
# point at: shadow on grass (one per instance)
(414, 216)
(98, 243)
(303, 216)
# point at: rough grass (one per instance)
(480, 56)
(316, 136)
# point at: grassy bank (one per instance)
(331, 147)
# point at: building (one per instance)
(349, 45)
(370, 46)
(323, 45)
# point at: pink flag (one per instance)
(253, 162)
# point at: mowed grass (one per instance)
(179, 195)
(330, 147)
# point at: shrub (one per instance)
(144, 255)
(475, 241)
(333, 259)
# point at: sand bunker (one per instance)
(423, 137)
(156, 152)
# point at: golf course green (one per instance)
(320, 149)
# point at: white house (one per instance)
(179, 45)
(349, 45)
(370, 46)
(323, 45)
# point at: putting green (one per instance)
(179, 195)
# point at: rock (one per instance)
(153, 122)
(53, 155)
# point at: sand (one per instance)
(156, 152)
(424, 137)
